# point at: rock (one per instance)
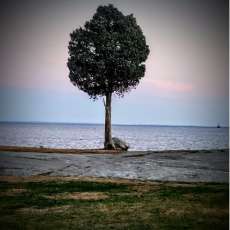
(119, 144)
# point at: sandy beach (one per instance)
(181, 166)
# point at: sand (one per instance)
(181, 166)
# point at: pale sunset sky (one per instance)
(186, 80)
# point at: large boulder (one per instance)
(119, 144)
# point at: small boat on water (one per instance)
(218, 126)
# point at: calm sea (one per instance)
(91, 136)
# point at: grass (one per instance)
(42, 149)
(107, 204)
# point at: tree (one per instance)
(107, 56)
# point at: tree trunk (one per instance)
(108, 144)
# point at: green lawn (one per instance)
(75, 204)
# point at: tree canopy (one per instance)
(107, 55)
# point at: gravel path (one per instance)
(189, 166)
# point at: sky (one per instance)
(186, 79)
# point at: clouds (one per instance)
(187, 69)
(167, 86)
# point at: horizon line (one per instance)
(116, 124)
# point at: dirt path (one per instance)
(188, 166)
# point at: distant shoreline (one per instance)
(97, 151)
(101, 124)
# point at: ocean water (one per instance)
(139, 137)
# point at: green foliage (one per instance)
(108, 54)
